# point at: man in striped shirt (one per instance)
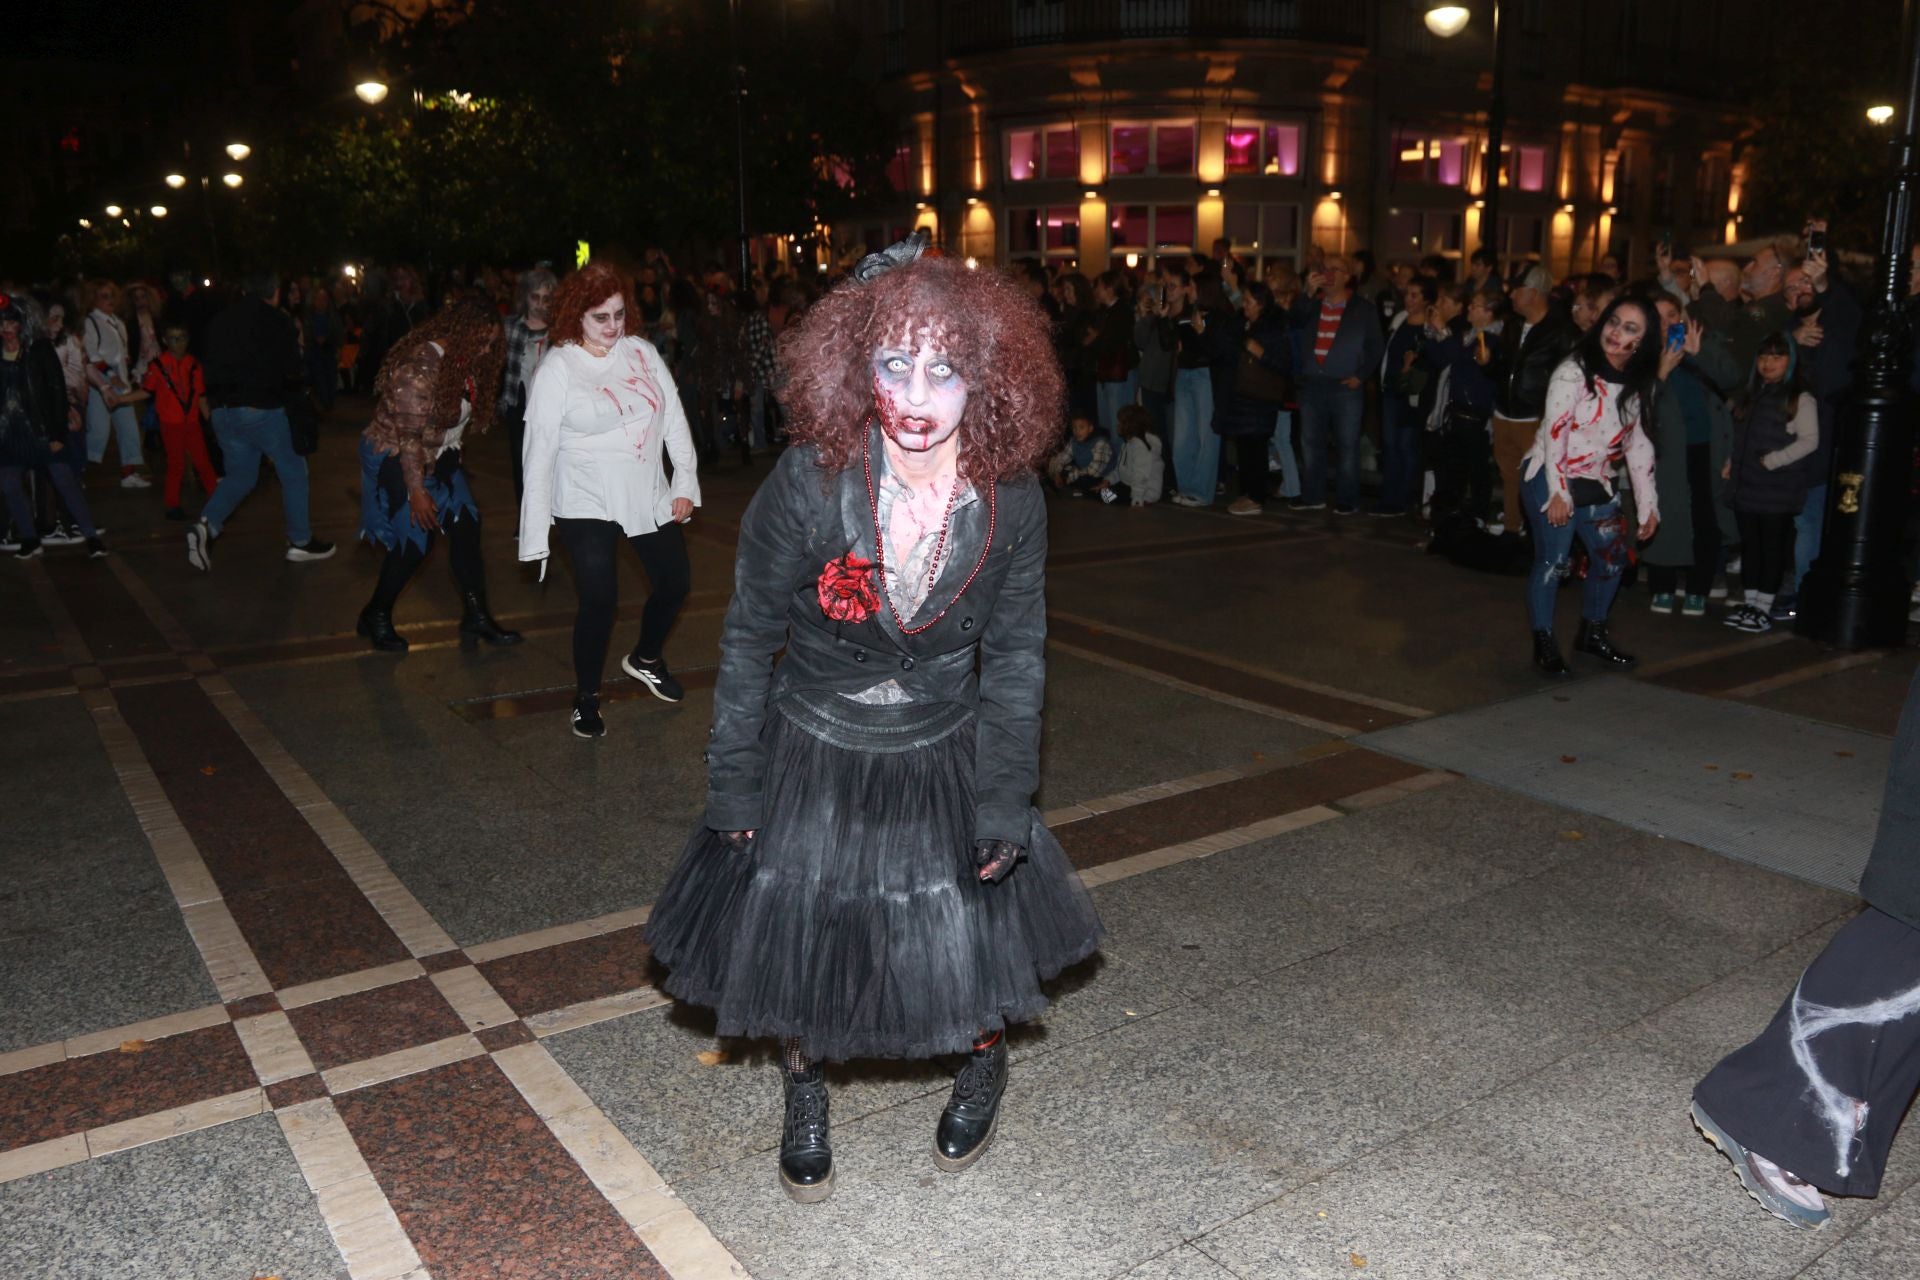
(1340, 344)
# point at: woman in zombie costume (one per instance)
(1597, 400)
(435, 385)
(871, 879)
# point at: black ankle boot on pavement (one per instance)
(1593, 641)
(377, 626)
(1546, 656)
(966, 1126)
(806, 1157)
(480, 624)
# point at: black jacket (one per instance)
(801, 519)
(1892, 879)
(1235, 414)
(43, 393)
(253, 357)
(1528, 365)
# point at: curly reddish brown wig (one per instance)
(469, 333)
(996, 337)
(584, 290)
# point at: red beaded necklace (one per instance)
(946, 525)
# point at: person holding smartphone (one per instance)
(1692, 436)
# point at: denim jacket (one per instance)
(804, 517)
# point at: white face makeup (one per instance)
(1625, 330)
(604, 325)
(920, 395)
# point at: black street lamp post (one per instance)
(740, 140)
(1447, 21)
(1855, 596)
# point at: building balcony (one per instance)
(989, 26)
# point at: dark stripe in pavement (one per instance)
(535, 702)
(571, 972)
(1172, 547)
(78, 1094)
(1735, 670)
(368, 1024)
(35, 681)
(1122, 833)
(1220, 678)
(481, 1184)
(295, 905)
(109, 621)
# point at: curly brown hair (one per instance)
(474, 347)
(995, 335)
(584, 290)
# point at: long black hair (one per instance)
(1643, 368)
(1793, 385)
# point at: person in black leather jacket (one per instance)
(35, 432)
(1535, 339)
(870, 878)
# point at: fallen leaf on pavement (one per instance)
(1712, 768)
(1357, 1260)
(1568, 759)
(1741, 775)
(711, 1057)
(133, 1046)
(1844, 755)
(1573, 835)
(207, 769)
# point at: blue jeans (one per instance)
(1601, 527)
(125, 424)
(1326, 406)
(1196, 449)
(1112, 397)
(246, 435)
(1401, 427)
(1282, 450)
(1807, 527)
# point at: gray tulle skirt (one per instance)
(855, 921)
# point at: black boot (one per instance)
(1546, 656)
(1593, 640)
(376, 625)
(806, 1157)
(476, 621)
(966, 1126)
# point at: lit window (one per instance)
(1063, 228)
(900, 168)
(1063, 153)
(1129, 154)
(1023, 155)
(1173, 148)
(1530, 167)
(1173, 226)
(1283, 150)
(1243, 148)
(1130, 225)
(1440, 161)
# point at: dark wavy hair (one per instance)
(1792, 387)
(1643, 368)
(584, 290)
(474, 344)
(983, 321)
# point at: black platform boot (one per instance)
(966, 1126)
(376, 625)
(1593, 640)
(806, 1157)
(1546, 656)
(476, 621)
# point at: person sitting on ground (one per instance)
(1142, 470)
(1085, 461)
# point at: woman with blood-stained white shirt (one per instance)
(603, 417)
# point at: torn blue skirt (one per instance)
(385, 517)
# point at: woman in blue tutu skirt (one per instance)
(870, 878)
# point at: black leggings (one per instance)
(591, 546)
(463, 536)
(1766, 550)
(1250, 460)
(1706, 529)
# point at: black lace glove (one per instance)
(995, 858)
(738, 839)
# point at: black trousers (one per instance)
(463, 537)
(1462, 457)
(592, 546)
(1250, 460)
(1706, 529)
(1822, 1090)
(1766, 550)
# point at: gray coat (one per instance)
(1892, 879)
(801, 519)
(1673, 542)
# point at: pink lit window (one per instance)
(1063, 228)
(1063, 153)
(1130, 226)
(1129, 149)
(1449, 162)
(1283, 150)
(1173, 145)
(1529, 168)
(1173, 225)
(900, 168)
(1243, 148)
(1023, 155)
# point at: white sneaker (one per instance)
(1495, 527)
(1182, 500)
(200, 546)
(134, 480)
(1733, 565)
(63, 535)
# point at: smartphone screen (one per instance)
(1676, 335)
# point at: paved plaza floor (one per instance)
(320, 963)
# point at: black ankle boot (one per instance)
(806, 1157)
(966, 1126)
(1593, 640)
(476, 621)
(377, 626)
(1546, 656)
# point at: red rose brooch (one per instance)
(846, 589)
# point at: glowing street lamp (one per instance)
(158, 211)
(1880, 113)
(232, 179)
(86, 224)
(176, 180)
(239, 150)
(371, 92)
(1447, 20)
(113, 211)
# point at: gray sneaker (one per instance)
(311, 549)
(1785, 1196)
(200, 546)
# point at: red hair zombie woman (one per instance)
(870, 878)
